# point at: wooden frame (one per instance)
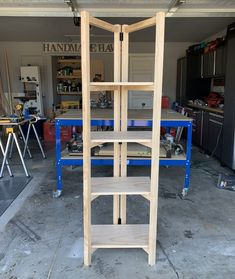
(122, 235)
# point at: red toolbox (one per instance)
(49, 132)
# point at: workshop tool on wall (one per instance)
(32, 121)
(32, 96)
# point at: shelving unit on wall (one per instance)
(119, 234)
(67, 80)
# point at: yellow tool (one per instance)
(19, 109)
(9, 130)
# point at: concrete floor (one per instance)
(43, 236)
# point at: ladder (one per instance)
(120, 234)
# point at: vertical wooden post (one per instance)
(10, 100)
(85, 57)
(124, 116)
(116, 112)
(157, 95)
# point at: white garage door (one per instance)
(141, 69)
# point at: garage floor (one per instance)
(195, 236)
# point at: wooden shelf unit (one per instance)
(69, 61)
(121, 235)
(120, 185)
(130, 136)
(67, 79)
(69, 93)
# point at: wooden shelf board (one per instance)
(146, 86)
(69, 60)
(119, 236)
(120, 185)
(130, 136)
(120, 83)
(69, 93)
(66, 156)
(133, 114)
(68, 77)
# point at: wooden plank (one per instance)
(95, 144)
(116, 146)
(133, 114)
(122, 83)
(140, 25)
(69, 61)
(133, 149)
(129, 136)
(124, 112)
(5, 106)
(102, 24)
(85, 56)
(119, 236)
(120, 185)
(147, 87)
(10, 99)
(158, 76)
(181, 157)
(103, 87)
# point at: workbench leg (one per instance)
(27, 139)
(188, 158)
(5, 156)
(24, 140)
(20, 154)
(58, 191)
(38, 140)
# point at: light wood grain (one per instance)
(124, 112)
(102, 24)
(117, 97)
(129, 136)
(119, 236)
(85, 54)
(120, 185)
(141, 25)
(133, 114)
(144, 86)
(157, 97)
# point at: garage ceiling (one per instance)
(62, 29)
(187, 20)
(119, 8)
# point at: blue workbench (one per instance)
(137, 118)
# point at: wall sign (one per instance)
(58, 47)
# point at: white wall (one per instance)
(22, 53)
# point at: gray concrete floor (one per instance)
(196, 236)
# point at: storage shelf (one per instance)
(144, 86)
(69, 77)
(119, 236)
(69, 93)
(69, 60)
(120, 185)
(130, 136)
